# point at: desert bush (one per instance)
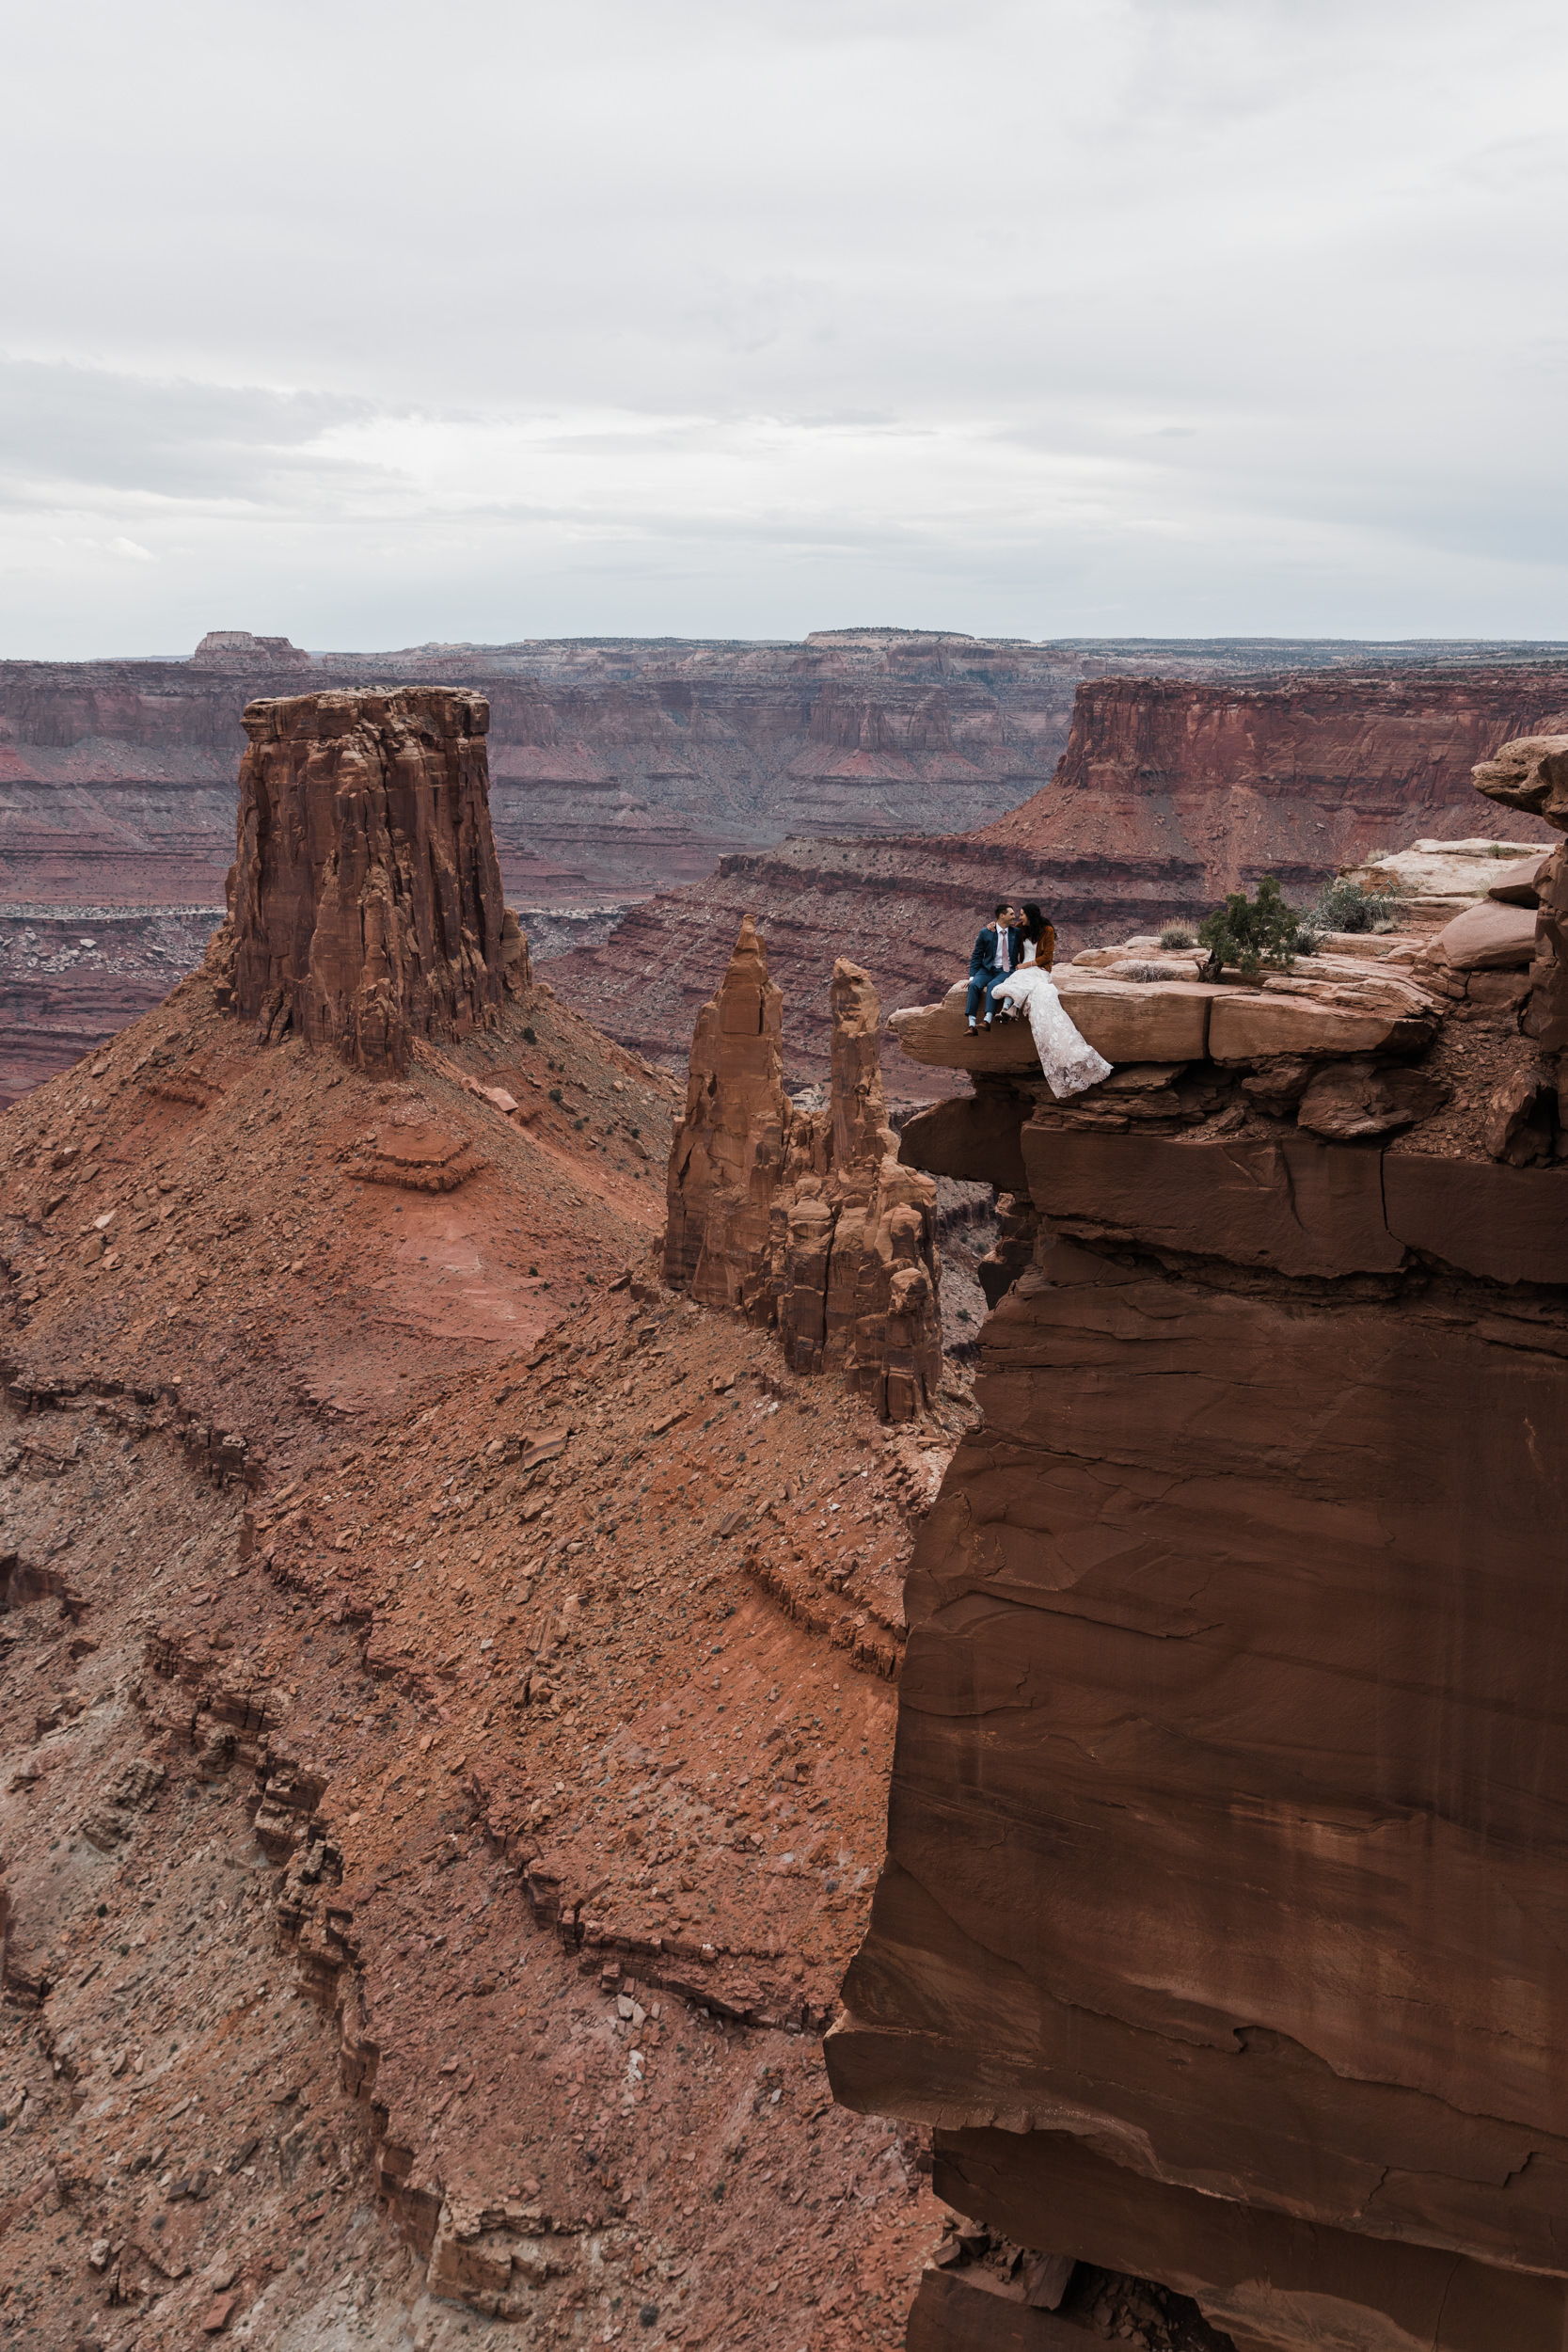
(1178, 936)
(1344, 906)
(1251, 932)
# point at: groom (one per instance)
(995, 954)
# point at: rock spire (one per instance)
(805, 1219)
(366, 897)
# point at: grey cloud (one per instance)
(1186, 311)
(94, 427)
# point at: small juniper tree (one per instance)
(1251, 932)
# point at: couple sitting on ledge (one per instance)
(1009, 973)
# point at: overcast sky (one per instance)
(371, 324)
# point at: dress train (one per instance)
(1069, 1061)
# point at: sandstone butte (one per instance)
(1217, 1942)
(448, 1677)
(1168, 793)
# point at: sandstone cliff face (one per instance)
(367, 895)
(1292, 780)
(1216, 1937)
(805, 1220)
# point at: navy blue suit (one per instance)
(983, 974)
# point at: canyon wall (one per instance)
(1291, 779)
(1217, 1939)
(615, 765)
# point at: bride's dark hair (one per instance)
(1033, 920)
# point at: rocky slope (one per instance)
(1168, 796)
(446, 1690)
(1215, 1941)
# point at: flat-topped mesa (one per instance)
(237, 649)
(365, 898)
(805, 1219)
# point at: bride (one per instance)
(1069, 1063)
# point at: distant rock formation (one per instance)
(366, 897)
(805, 1219)
(1292, 778)
(237, 649)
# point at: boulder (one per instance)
(1126, 1021)
(1440, 874)
(1531, 772)
(1521, 1118)
(1518, 885)
(1254, 1025)
(962, 2310)
(1346, 1100)
(1547, 1020)
(1494, 936)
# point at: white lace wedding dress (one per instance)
(1069, 1063)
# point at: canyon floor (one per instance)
(446, 1708)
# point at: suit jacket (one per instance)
(982, 956)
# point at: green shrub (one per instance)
(1178, 936)
(529, 1034)
(555, 1094)
(1344, 906)
(1251, 932)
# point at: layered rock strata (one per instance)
(1292, 778)
(1216, 1940)
(804, 1220)
(367, 897)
